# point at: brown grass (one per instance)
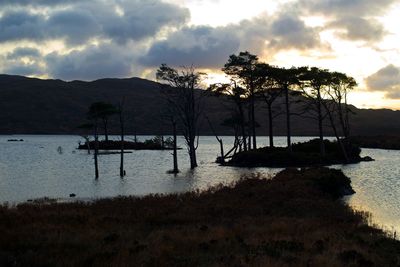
(291, 220)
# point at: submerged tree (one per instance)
(121, 115)
(94, 115)
(185, 102)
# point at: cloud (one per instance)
(385, 80)
(354, 19)
(24, 69)
(210, 47)
(359, 28)
(289, 31)
(19, 25)
(346, 7)
(202, 46)
(92, 63)
(23, 52)
(80, 21)
(37, 2)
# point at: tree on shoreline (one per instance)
(243, 69)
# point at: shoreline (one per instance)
(295, 219)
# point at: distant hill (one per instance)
(35, 106)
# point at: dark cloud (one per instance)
(289, 31)
(385, 80)
(210, 47)
(202, 46)
(92, 63)
(24, 69)
(17, 25)
(76, 26)
(37, 2)
(119, 20)
(23, 52)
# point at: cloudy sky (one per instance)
(87, 40)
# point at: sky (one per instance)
(88, 40)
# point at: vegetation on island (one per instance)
(155, 143)
(293, 219)
(322, 96)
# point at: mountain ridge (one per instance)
(53, 106)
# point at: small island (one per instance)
(156, 143)
(302, 155)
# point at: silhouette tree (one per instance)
(105, 110)
(287, 80)
(340, 86)
(94, 115)
(238, 96)
(243, 69)
(121, 115)
(270, 91)
(186, 103)
(315, 83)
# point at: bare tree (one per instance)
(120, 111)
(94, 115)
(182, 97)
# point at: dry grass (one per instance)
(294, 219)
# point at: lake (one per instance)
(37, 168)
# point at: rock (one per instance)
(367, 159)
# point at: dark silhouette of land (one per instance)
(377, 141)
(292, 220)
(35, 106)
(302, 155)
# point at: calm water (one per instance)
(35, 169)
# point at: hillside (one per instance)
(35, 106)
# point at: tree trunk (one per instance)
(96, 151)
(243, 127)
(288, 130)
(253, 122)
(320, 126)
(105, 122)
(342, 148)
(192, 156)
(270, 123)
(121, 168)
(174, 154)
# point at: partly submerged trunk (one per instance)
(96, 151)
(121, 167)
(270, 123)
(105, 125)
(174, 153)
(288, 130)
(320, 125)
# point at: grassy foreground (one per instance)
(295, 219)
